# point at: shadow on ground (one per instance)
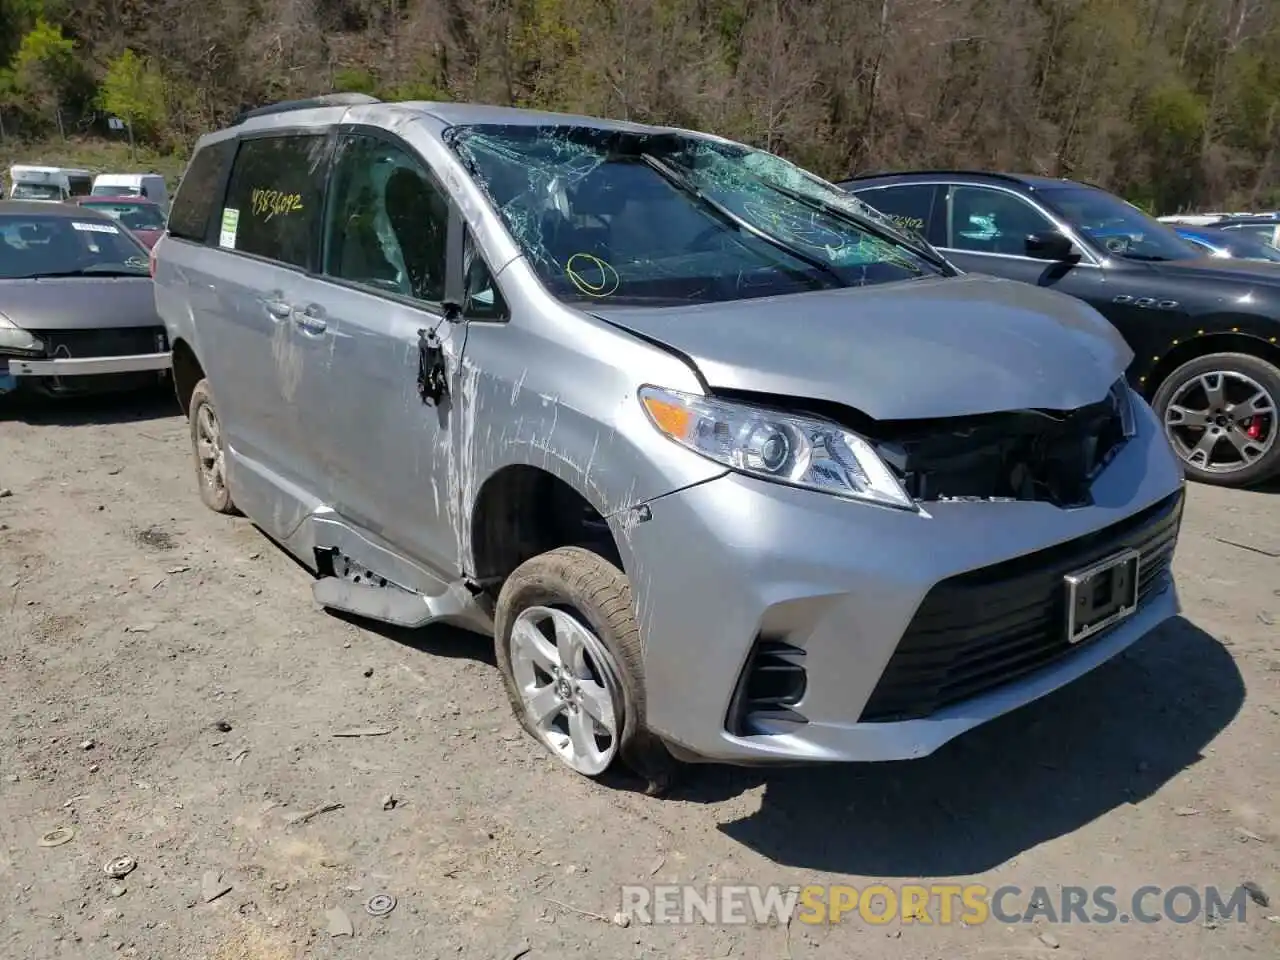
(152, 403)
(436, 641)
(1113, 737)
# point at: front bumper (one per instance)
(726, 569)
(88, 366)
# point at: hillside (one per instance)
(1174, 103)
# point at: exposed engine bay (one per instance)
(1038, 455)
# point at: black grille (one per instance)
(117, 342)
(772, 682)
(981, 629)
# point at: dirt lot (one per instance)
(171, 693)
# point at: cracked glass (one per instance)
(661, 218)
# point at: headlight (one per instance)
(13, 337)
(800, 451)
(1122, 397)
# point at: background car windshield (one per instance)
(135, 216)
(35, 246)
(36, 191)
(107, 190)
(1116, 226)
(599, 222)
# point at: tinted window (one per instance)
(388, 221)
(135, 216)
(1115, 225)
(993, 221)
(42, 246)
(663, 218)
(1266, 232)
(198, 193)
(911, 207)
(273, 200)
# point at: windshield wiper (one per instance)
(684, 185)
(853, 219)
(91, 272)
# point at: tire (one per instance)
(596, 595)
(1243, 372)
(215, 493)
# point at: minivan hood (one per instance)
(79, 303)
(910, 350)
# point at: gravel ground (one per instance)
(172, 694)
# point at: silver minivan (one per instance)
(730, 468)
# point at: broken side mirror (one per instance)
(1051, 245)
(433, 374)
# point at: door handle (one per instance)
(278, 309)
(310, 320)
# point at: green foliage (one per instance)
(1172, 103)
(16, 18)
(355, 80)
(1174, 114)
(415, 90)
(134, 91)
(45, 61)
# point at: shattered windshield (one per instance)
(668, 218)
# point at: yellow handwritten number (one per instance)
(272, 203)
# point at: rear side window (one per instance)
(197, 194)
(273, 200)
(910, 207)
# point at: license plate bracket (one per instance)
(1101, 595)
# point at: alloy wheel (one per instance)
(568, 685)
(209, 449)
(1221, 421)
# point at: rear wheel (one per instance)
(1220, 414)
(569, 650)
(209, 450)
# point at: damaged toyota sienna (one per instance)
(730, 468)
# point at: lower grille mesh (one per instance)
(984, 628)
(116, 342)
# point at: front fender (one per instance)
(1219, 333)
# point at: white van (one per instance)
(148, 185)
(54, 184)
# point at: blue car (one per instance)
(1232, 244)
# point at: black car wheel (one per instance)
(1220, 415)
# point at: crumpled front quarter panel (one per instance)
(556, 390)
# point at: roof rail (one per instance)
(1012, 177)
(325, 100)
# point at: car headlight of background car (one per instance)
(14, 338)
(773, 445)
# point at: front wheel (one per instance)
(1220, 414)
(568, 648)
